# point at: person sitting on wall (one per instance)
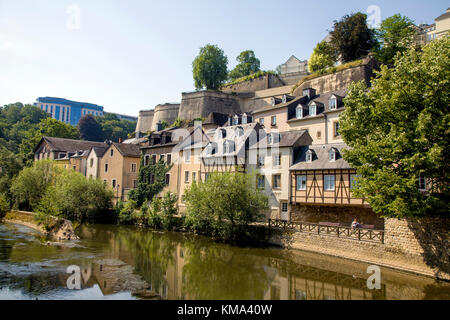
(356, 224)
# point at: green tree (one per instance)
(352, 38)
(31, 184)
(114, 129)
(224, 205)
(151, 181)
(76, 198)
(399, 130)
(89, 128)
(210, 68)
(10, 166)
(247, 65)
(395, 35)
(4, 206)
(322, 57)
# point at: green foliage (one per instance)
(76, 198)
(167, 210)
(114, 129)
(4, 206)
(247, 65)
(351, 38)
(127, 212)
(322, 57)
(395, 35)
(328, 71)
(31, 184)
(151, 181)
(178, 123)
(224, 205)
(250, 77)
(89, 128)
(210, 68)
(399, 129)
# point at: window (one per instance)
(187, 156)
(106, 167)
(167, 178)
(274, 121)
(309, 156)
(112, 152)
(336, 129)
(154, 159)
(146, 160)
(261, 160)
(261, 121)
(152, 179)
(284, 207)
(301, 183)
(422, 183)
(169, 159)
(319, 134)
(226, 147)
(92, 162)
(135, 183)
(299, 112)
(332, 103)
(276, 181)
(133, 167)
(113, 183)
(162, 158)
(194, 176)
(329, 183)
(239, 132)
(277, 160)
(313, 110)
(244, 120)
(332, 155)
(269, 139)
(74, 167)
(186, 177)
(261, 182)
(209, 150)
(236, 120)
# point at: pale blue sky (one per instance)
(132, 55)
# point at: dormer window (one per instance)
(309, 156)
(332, 155)
(332, 103)
(273, 101)
(244, 119)
(284, 99)
(209, 150)
(222, 133)
(299, 112)
(239, 132)
(306, 93)
(313, 109)
(236, 120)
(227, 147)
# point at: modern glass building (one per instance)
(66, 110)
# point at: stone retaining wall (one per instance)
(419, 246)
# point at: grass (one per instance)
(328, 71)
(249, 77)
(14, 215)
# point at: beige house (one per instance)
(93, 161)
(119, 168)
(271, 159)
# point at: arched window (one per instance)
(313, 109)
(299, 112)
(239, 132)
(332, 155)
(309, 156)
(226, 147)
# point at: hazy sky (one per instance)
(132, 55)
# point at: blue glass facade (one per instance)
(66, 110)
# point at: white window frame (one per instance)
(299, 113)
(332, 103)
(332, 155)
(261, 121)
(133, 167)
(186, 176)
(327, 185)
(187, 155)
(313, 107)
(272, 122)
(309, 156)
(300, 183)
(277, 160)
(261, 160)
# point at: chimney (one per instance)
(309, 92)
(159, 126)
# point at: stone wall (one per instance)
(262, 83)
(200, 104)
(341, 214)
(342, 79)
(165, 113)
(145, 120)
(419, 246)
(293, 78)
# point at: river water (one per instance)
(116, 262)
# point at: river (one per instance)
(117, 262)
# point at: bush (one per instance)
(127, 213)
(224, 206)
(4, 206)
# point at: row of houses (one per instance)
(292, 145)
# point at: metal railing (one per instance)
(330, 230)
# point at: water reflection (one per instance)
(131, 263)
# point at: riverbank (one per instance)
(411, 245)
(56, 229)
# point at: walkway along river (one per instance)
(117, 262)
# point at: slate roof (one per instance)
(69, 145)
(216, 118)
(99, 151)
(286, 139)
(443, 16)
(128, 150)
(294, 102)
(320, 158)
